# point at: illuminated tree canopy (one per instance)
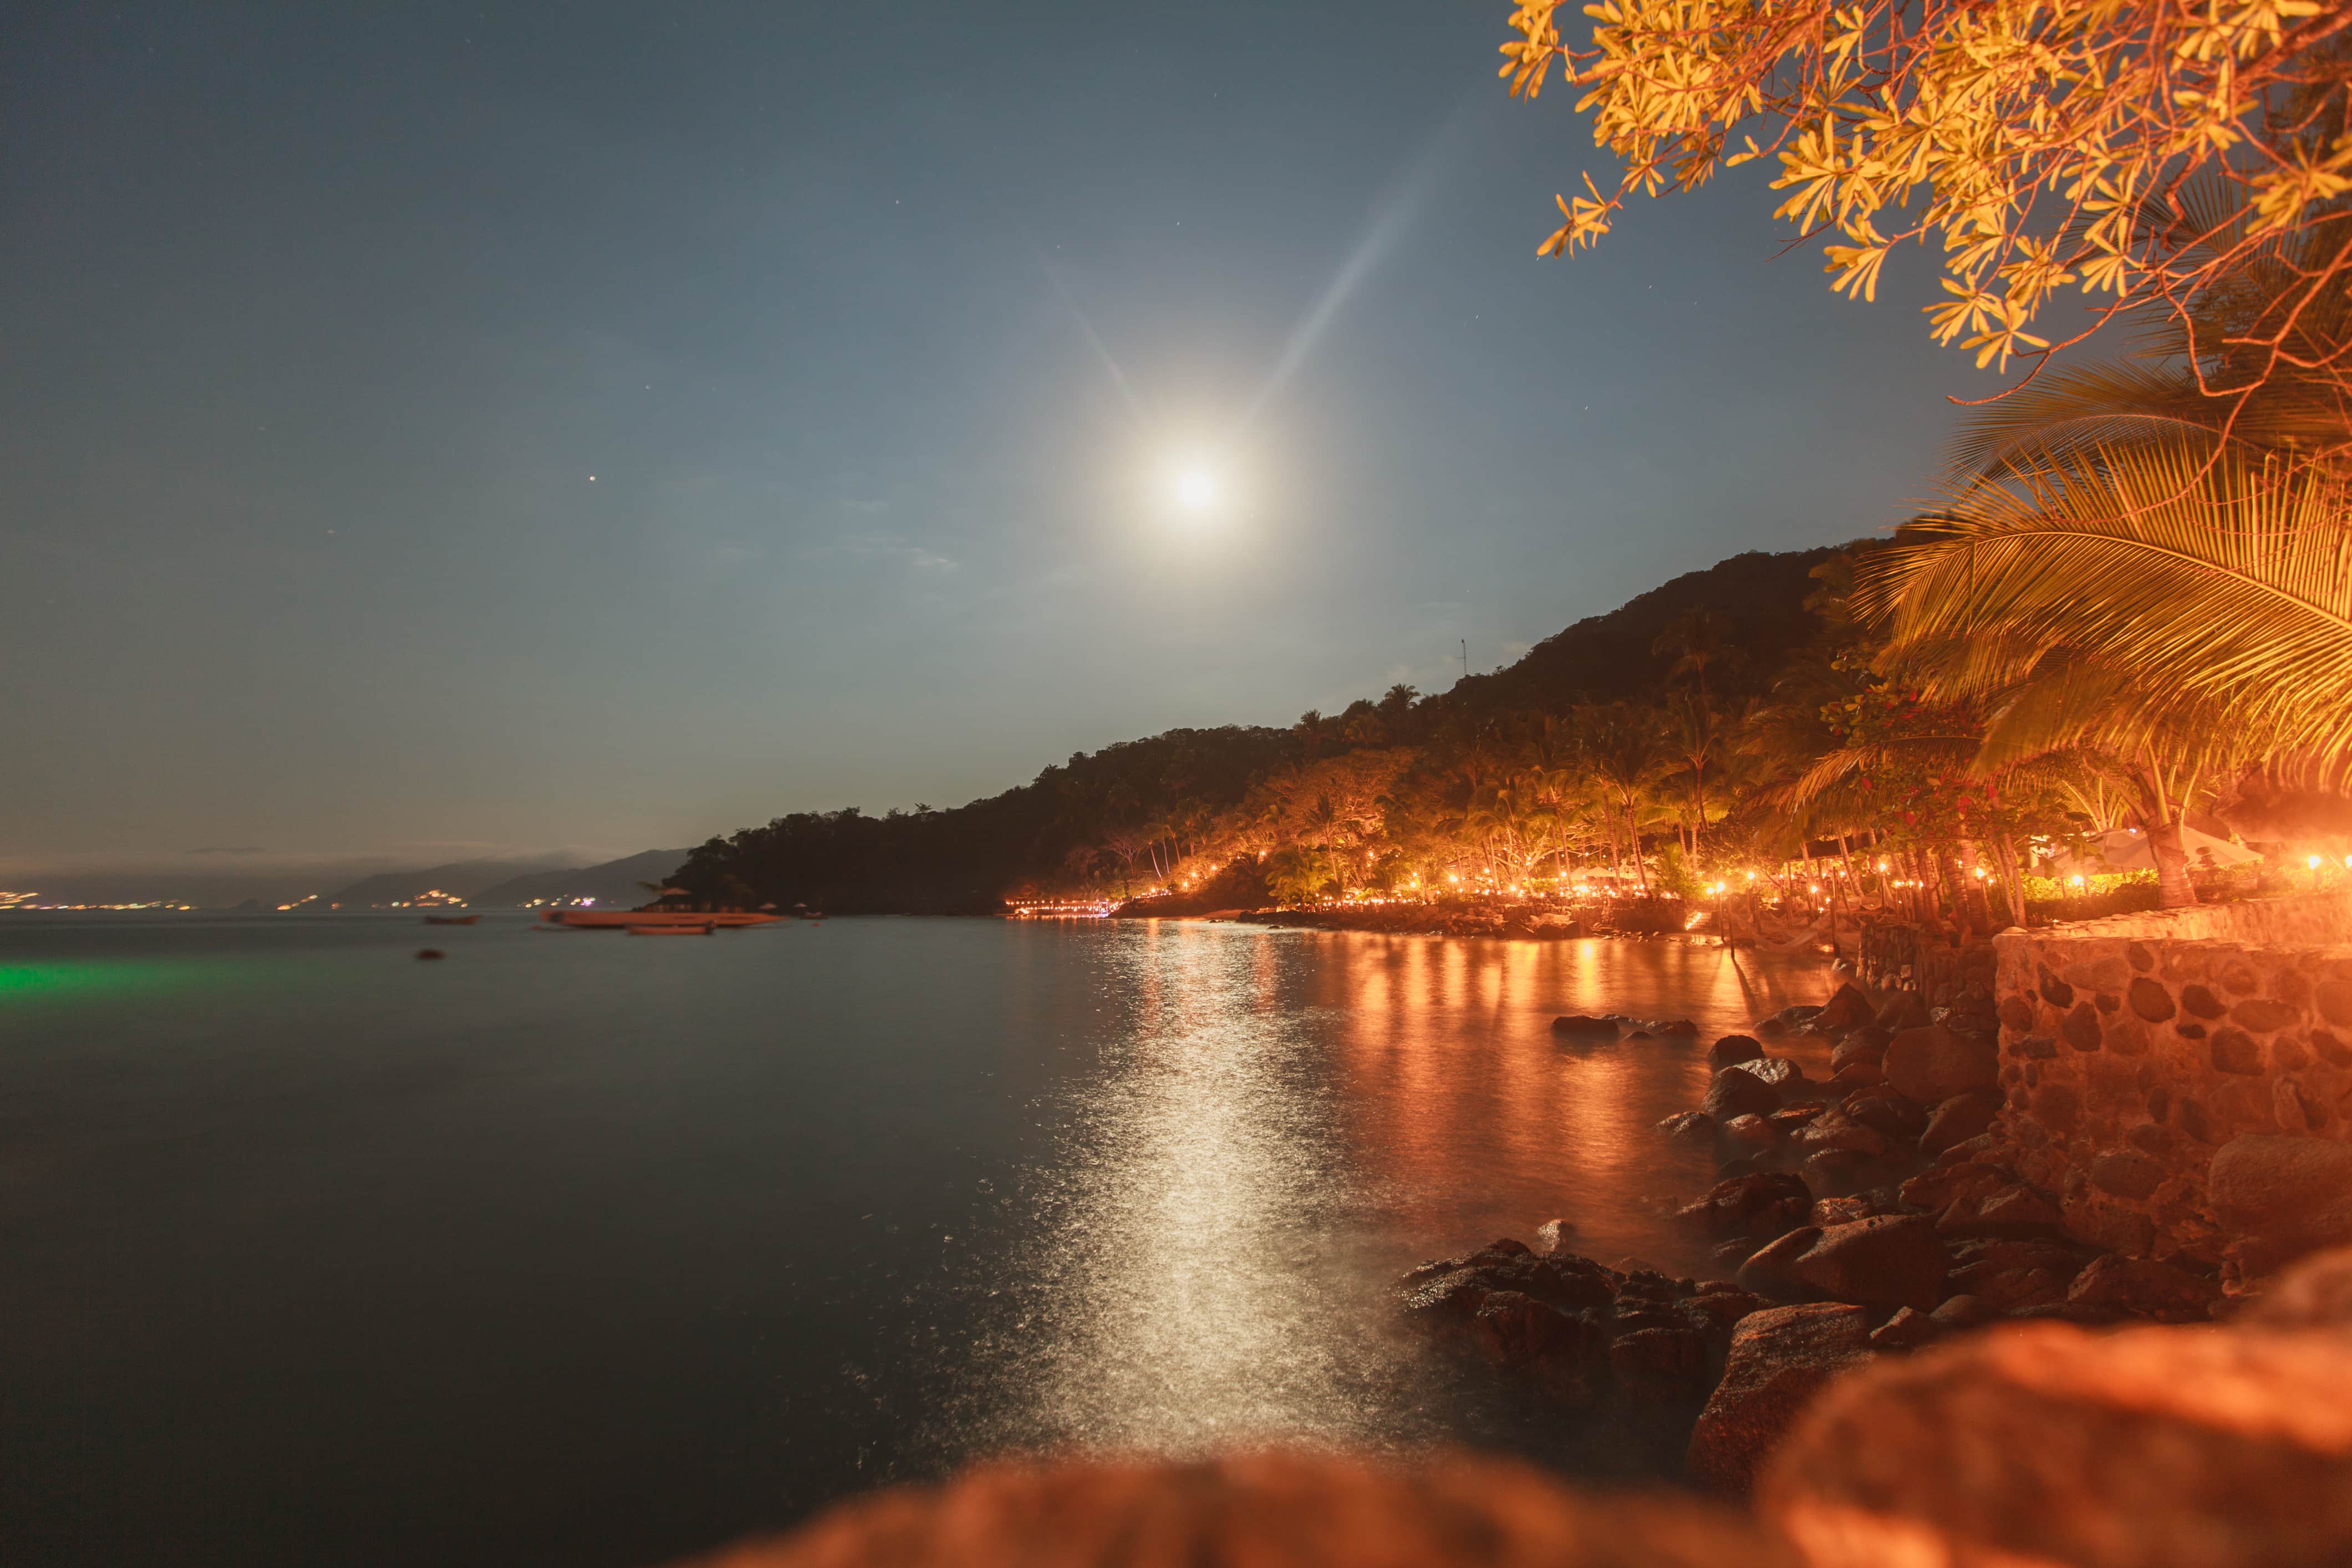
(2147, 153)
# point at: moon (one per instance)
(1196, 489)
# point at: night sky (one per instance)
(880, 330)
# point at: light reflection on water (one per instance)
(581, 1249)
(1282, 1122)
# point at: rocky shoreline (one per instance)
(1856, 1218)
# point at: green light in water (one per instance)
(62, 980)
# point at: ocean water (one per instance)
(586, 1249)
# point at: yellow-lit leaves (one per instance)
(2025, 135)
(1529, 55)
(1588, 220)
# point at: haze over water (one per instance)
(585, 1249)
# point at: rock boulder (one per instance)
(1858, 1047)
(2281, 1197)
(2316, 1293)
(1896, 1261)
(1905, 1331)
(1739, 1092)
(1958, 1120)
(1888, 1109)
(1838, 1129)
(1763, 1204)
(1850, 1008)
(1780, 1360)
(1732, 1049)
(2143, 1287)
(1769, 1271)
(1932, 1064)
(1778, 1071)
(1904, 1011)
(1691, 1128)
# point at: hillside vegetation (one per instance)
(1392, 787)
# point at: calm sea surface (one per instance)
(591, 1250)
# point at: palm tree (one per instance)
(1313, 728)
(1693, 739)
(1395, 704)
(2209, 587)
(2176, 609)
(1698, 641)
(1625, 749)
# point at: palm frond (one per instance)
(2075, 409)
(2203, 582)
(2070, 415)
(1845, 763)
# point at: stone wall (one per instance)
(2134, 1048)
(2317, 920)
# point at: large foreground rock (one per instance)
(2042, 1443)
(1780, 1358)
(1261, 1511)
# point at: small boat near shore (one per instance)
(452, 919)
(631, 919)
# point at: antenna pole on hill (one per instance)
(1465, 658)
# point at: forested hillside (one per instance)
(1395, 787)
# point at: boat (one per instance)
(670, 930)
(628, 920)
(451, 920)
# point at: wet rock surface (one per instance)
(1628, 1348)
(1892, 1213)
(1739, 1092)
(1732, 1049)
(1765, 1203)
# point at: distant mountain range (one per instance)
(614, 882)
(507, 884)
